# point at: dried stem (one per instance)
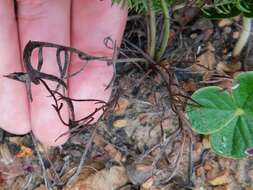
(243, 37)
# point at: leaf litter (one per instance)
(152, 147)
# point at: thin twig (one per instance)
(47, 183)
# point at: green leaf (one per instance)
(142, 5)
(243, 91)
(249, 13)
(223, 106)
(220, 9)
(226, 116)
(214, 13)
(233, 140)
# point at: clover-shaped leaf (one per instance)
(227, 116)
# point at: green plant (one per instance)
(225, 115)
(141, 5)
(219, 9)
(227, 8)
(150, 7)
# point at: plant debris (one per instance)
(143, 139)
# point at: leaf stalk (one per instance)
(165, 32)
(151, 29)
(242, 41)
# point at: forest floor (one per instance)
(144, 141)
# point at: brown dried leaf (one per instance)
(199, 171)
(208, 166)
(139, 173)
(145, 136)
(41, 187)
(102, 180)
(16, 140)
(24, 152)
(12, 174)
(221, 179)
(225, 22)
(5, 156)
(223, 187)
(121, 106)
(223, 68)
(198, 148)
(120, 123)
(148, 184)
(190, 86)
(205, 62)
(99, 141)
(143, 118)
(113, 152)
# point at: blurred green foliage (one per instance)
(215, 9)
(219, 9)
(141, 5)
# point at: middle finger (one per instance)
(45, 20)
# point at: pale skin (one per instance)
(82, 24)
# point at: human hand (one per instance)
(82, 24)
